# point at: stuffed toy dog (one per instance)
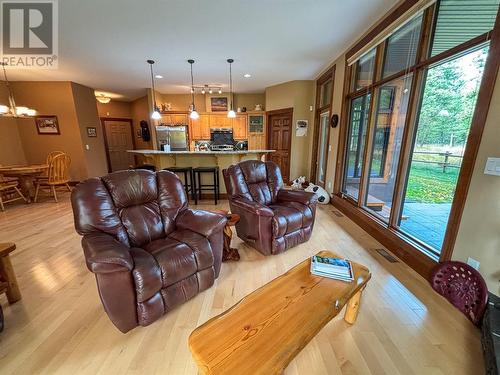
(323, 196)
(298, 183)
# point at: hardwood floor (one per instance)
(59, 327)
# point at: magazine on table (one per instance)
(333, 268)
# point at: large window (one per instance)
(388, 134)
(401, 47)
(410, 107)
(448, 102)
(364, 70)
(356, 144)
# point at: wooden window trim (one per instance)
(402, 245)
(329, 74)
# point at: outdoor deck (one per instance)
(426, 221)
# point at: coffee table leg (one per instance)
(352, 309)
(7, 272)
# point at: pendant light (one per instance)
(193, 115)
(231, 113)
(156, 114)
(11, 110)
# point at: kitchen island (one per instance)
(222, 159)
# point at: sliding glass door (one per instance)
(445, 116)
(356, 143)
(389, 125)
(324, 123)
(410, 102)
(321, 142)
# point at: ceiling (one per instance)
(104, 44)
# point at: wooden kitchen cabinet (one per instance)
(200, 128)
(257, 131)
(220, 121)
(240, 127)
(205, 126)
(174, 118)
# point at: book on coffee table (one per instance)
(334, 268)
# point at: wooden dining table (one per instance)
(26, 175)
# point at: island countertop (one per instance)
(238, 152)
(221, 159)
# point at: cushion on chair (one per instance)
(262, 180)
(175, 259)
(285, 220)
(290, 217)
(305, 211)
(180, 255)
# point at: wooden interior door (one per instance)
(118, 139)
(280, 139)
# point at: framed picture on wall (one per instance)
(91, 132)
(217, 103)
(47, 125)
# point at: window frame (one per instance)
(416, 253)
(327, 76)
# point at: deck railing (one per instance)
(447, 159)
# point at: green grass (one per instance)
(428, 183)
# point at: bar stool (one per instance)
(211, 187)
(189, 183)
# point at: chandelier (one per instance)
(11, 110)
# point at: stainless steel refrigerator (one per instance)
(173, 138)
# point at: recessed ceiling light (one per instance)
(247, 75)
(159, 76)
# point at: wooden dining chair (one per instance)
(58, 175)
(9, 192)
(48, 160)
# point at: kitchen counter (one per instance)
(239, 152)
(221, 159)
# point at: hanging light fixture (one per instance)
(193, 115)
(12, 110)
(231, 113)
(156, 113)
(103, 99)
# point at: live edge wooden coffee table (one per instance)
(263, 332)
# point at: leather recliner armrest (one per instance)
(104, 254)
(252, 207)
(200, 221)
(303, 197)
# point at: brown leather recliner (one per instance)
(148, 250)
(272, 219)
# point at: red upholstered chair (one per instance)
(463, 286)
(272, 219)
(148, 250)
